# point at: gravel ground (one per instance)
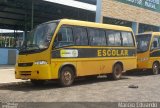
(85, 90)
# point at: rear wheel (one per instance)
(117, 72)
(66, 76)
(37, 82)
(155, 68)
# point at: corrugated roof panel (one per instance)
(75, 4)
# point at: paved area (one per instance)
(7, 74)
(83, 90)
(6, 66)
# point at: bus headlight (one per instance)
(41, 62)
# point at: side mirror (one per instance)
(155, 44)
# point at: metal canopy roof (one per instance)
(94, 2)
(17, 14)
(75, 4)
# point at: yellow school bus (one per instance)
(148, 49)
(66, 49)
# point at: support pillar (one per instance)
(135, 27)
(99, 17)
(32, 17)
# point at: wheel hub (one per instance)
(67, 76)
(118, 71)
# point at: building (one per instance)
(141, 15)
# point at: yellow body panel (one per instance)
(94, 66)
(143, 64)
(34, 71)
(83, 66)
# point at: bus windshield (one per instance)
(143, 42)
(39, 38)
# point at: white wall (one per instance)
(4, 56)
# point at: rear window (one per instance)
(113, 38)
(127, 39)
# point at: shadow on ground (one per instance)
(27, 86)
(138, 73)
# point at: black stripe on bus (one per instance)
(155, 54)
(98, 52)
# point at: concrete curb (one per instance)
(7, 66)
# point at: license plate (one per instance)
(24, 77)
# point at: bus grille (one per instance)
(25, 73)
(25, 64)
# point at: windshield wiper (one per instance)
(33, 45)
(25, 47)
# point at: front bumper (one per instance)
(38, 72)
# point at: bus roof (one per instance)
(153, 33)
(93, 24)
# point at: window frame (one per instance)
(132, 38)
(67, 26)
(115, 31)
(83, 27)
(99, 31)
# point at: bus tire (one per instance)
(116, 72)
(38, 82)
(66, 77)
(155, 68)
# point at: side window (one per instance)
(96, 37)
(127, 39)
(80, 36)
(64, 37)
(155, 43)
(113, 38)
(102, 35)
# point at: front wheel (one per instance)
(155, 68)
(116, 73)
(66, 77)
